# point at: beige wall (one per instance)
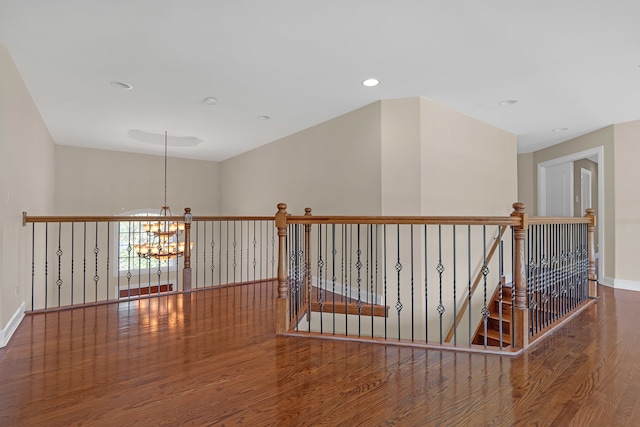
(98, 182)
(526, 180)
(468, 166)
(401, 179)
(333, 167)
(627, 202)
(26, 183)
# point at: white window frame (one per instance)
(172, 264)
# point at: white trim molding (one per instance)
(628, 285)
(7, 332)
(606, 281)
(598, 153)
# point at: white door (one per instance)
(559, 190)
(585, 189)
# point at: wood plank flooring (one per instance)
(211, 358)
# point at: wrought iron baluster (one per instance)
(84, 265)
(347, 283)
(255, 242)
(455, 301)
(485, 271)
(342, 271)
(469, 305)
(148, 259)
(73, 242)
(227, 251)
(263, 274)
(384, 272)
(398, 270)
(96, 278)
(513, 287)
(242, 250)
(140, 261)
(412, 286)
(107, 272)
(33, 265)
(308, 267)
(440, 270)
(294, 269)
(46, 264)
(319, 290)
(333, 274)
(129, 259)
(550, 292)
(374, 279)
(369, 270)
(204, 252)
(426, 285)
(235, 244)
(220, 253)
(326, 261)
(359, 280)
(500, 284)
(534, 293)
(59, 255)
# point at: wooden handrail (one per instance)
(97, 218)
(115, 218)
(542, 220)
(233, 218)
(415, 220)
(476, 282)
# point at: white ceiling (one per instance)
(570, 63)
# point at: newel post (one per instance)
(282, 302)
(593, 274)
(520, 311)
(307, 265)
(186, 271)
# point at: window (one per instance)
(133, 233)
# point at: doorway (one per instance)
(553, 174)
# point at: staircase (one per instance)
(493, 322)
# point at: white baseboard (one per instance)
(7, 332)
(607, 281)
(628, 285)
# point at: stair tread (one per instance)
(495, 335)
(496, 316)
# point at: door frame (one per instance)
(597, 152)
(585, 173)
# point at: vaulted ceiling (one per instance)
(571, 65)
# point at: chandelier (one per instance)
(163, 241)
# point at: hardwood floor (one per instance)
(211, 358)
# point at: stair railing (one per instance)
(352, 258)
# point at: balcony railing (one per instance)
(79, 260)
(488, 283)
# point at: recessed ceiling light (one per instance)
(560, 129)
(371, 82)
(264, 117)
(507, 102)
(121, 85)
(210, 100)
